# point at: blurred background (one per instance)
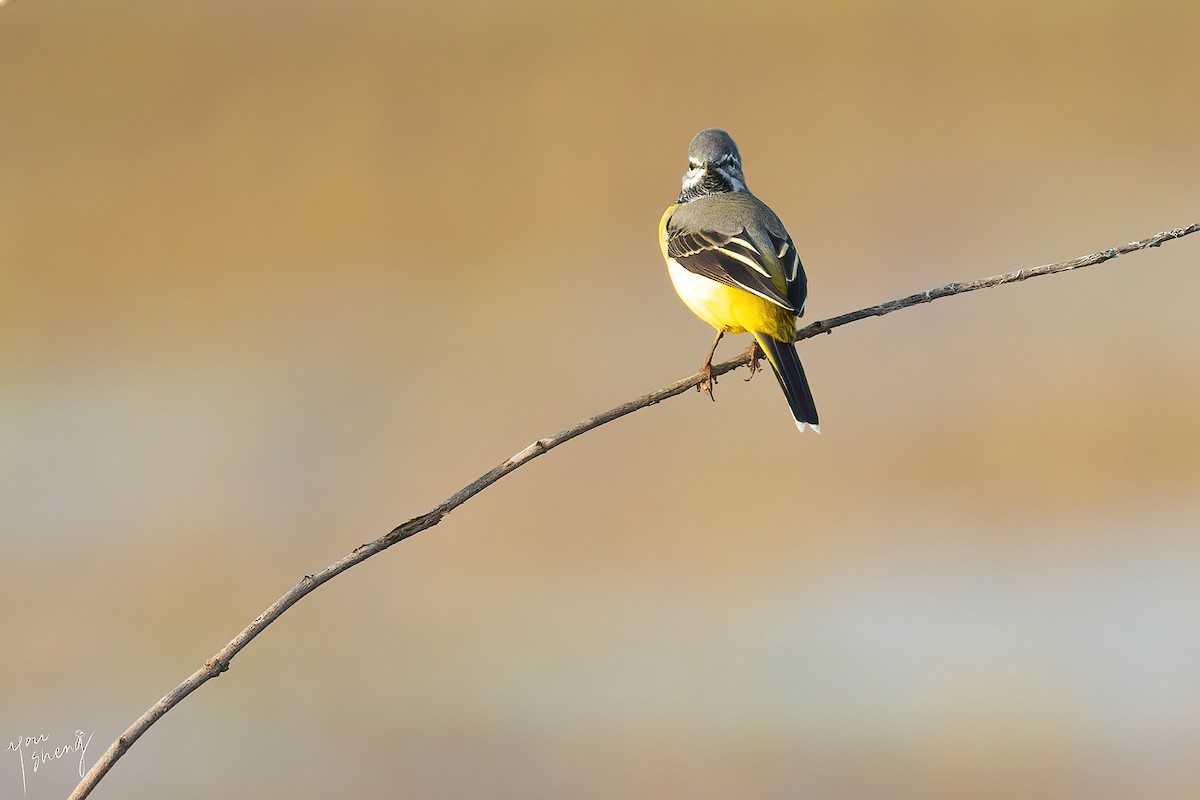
(277, 277)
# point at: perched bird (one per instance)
(734, 265)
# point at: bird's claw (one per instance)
(754, 353)
(709, 381)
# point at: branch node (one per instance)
(422, 522)
(534, 449)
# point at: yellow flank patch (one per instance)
(728, 309)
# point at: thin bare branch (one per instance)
(220, 661)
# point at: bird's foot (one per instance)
(710, 380)
(754, 353)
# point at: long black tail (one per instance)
(785, 363)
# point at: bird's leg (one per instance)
(754, 353)
(706, 369)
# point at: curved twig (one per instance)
(220, 661)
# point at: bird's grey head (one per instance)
(714, 166)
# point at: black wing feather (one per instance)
(793, 270)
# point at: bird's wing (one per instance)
(793, 270)
(733, 260)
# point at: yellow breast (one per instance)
(728, 309)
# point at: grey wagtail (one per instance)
(734, 265)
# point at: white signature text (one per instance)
(37, 750)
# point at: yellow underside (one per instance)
(731, 310)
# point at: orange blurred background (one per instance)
(277, 277)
